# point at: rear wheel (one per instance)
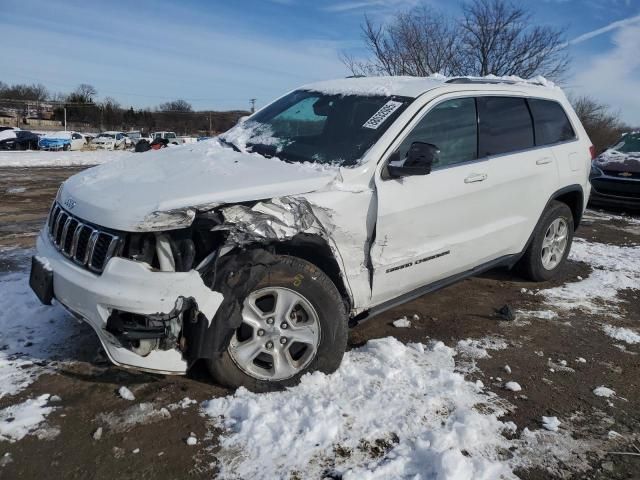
(550, 245)
(293, 322)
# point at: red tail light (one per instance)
(592, 151)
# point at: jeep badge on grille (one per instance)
(70, 203)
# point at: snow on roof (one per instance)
(377, 86)
(406, 86)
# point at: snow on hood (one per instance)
(123, 193)
(617, 161)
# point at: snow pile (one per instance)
(513, 386)
(615, 268)
(551, 423)
(31, 334)
(390, 411)
(40, 158)
(624, 334)
(603, 391)
(126, 394)
(403, 322)
(19, 420)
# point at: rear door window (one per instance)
(505, 125)
(550, 122)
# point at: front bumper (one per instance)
(127, 286)
(615, 192)
(103, 146)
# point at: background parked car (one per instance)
(111, 141)
(171, 137)
(62, 141)
(17, 139)
(136, 135)
(615, 174)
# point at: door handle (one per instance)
(476, 177)
(543, 161)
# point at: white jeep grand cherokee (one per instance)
(256, 250)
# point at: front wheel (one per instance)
(550, 245)
(293, 322)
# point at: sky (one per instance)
(220, 54)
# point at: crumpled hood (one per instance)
(123, 193)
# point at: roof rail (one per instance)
(496, 80)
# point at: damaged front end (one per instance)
(229, 248)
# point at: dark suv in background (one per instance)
(615, 174)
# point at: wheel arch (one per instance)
(316, 250)
(573, 197)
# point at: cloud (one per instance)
(614, 76)
(371, 5)
(612, 26)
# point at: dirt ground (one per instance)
(465, 310)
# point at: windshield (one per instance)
(106, 135)
(314, 127)
(629, 143)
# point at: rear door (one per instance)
(524, 175)
(433, 226)
(554, 130)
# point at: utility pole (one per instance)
(253, 105)
(210, 133)
(65, 118)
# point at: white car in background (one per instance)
(257, 250)
(136, 135)
(111, 141)
(170, 137)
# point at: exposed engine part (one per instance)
(165, 253)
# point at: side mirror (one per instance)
(420, 158)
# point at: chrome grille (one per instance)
(85, 244)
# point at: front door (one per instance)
(433, 226)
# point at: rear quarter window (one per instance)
(505, 125)
(550, 122)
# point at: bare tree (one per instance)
(603, 126)
(175, 106)
(498, 38)
(418, 43)
(492, 37)
(83, 94)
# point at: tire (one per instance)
(533, 265)
(286, 278)
(66, 147)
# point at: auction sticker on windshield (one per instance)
(381, 115)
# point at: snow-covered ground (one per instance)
(31, 334)
(38, 158)
(404, 402)
(615, 268)
(391, 410)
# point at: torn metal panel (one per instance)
(352, 218)
(167, 220)
(278, 219)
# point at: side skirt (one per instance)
(505, 261)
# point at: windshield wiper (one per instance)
(229, 144)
